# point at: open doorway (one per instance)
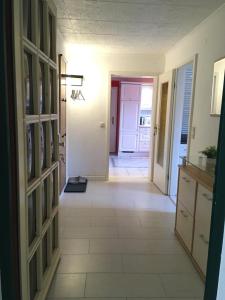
(181, 124)
(130, 126)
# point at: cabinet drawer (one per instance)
(144, 130)
(203, 210)
(187, 190)
(202, 227)
(144, 137)
(200, 250)
(184, 225)
(144, 146)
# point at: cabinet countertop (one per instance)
(144, 126)
(199, 175)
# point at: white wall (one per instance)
(87, 141)
(208, 41)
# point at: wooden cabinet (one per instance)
(133, 136)
(130, 92)
(193, 215)
(129, 126)
(202, 226)
(184, 225)
(187, 190)
(144, 139)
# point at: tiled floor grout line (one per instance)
(89, 246)
(131, 230)
(164, 288)
(85, 284)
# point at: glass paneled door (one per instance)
(162, 131)
(37, 120)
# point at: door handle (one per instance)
(62, 158)
(113, 120)
(202, 237)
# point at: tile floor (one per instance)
(137, 167)
(117, 243)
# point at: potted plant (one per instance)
(210, 153)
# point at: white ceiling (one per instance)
(131, 25)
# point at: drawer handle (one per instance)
(207, 197)
(202, 237)
(186, 180)
(183, 213)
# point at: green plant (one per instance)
(210, 152)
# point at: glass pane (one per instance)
(44, 201)
(45, 253)
(33, 277)
(27, 18)
(30, 152)
(32, 217)
(162, 121)
(52, 142)
(50, 20)
(53, 188)
(43, 145)
(42, 88)
(40, 24)
(52, 192)
(54, 234)
(51, 87)
(28, 83)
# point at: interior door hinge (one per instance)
(63, 100)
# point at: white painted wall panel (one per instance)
(207, 42)
(87, 141)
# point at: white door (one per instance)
(162, 131)
(181, 122)
(129, 125)
(113, 119)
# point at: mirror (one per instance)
(217, 87)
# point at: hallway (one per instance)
(117, 241)
(128, 166)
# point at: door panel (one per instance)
(130, 92)
(129, 125)
(37, 144)
(113, 119)
(62, 123)
(162, 131)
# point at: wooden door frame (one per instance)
(60, 57)
(157, 112)
(117, 115)
(125, 74)
(9, 222)
(193, 61)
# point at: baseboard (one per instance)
(96, 178)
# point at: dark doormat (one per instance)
(76, 185)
